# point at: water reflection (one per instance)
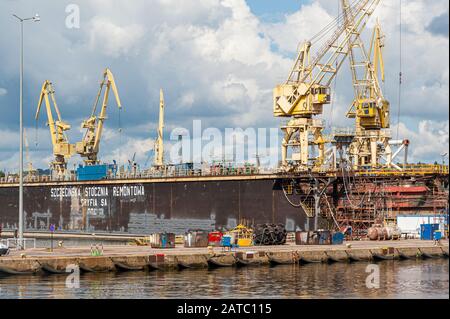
(406, 279)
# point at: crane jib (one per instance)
(89, 146)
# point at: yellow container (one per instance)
(245, 242)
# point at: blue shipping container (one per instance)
(94, 172)
(437, 235)
(427, 231)
(226, 241)
(338, 238)
(324, 237)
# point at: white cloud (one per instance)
(216, 62)
(299, 26)
(431, 140)
(37, 148)
(187, 99)
(112, 39)
(7, 137)
(129, 148)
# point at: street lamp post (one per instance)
(443, 155)
(36, 18)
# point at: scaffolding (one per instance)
(360, 201)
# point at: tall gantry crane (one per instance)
(89, 147)
(62, 149)
(307, 88)
(159, 144)
(369, 108)
(30, 169)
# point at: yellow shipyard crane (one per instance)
(30, 170)
(62, 149)
(369, 107)
(307, 88)
(89, 147)
(159, 144)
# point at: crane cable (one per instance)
(301, 202)
(347, 192)
(335, 22)
(333, 101)
(36, 143)
(120, 136)
(332, 213)
(400, 73)
(353, 206)
(289, 201)
(330, 125)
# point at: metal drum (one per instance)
(387, 233)
(375, 232)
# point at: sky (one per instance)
(273, 11)
(217, 60)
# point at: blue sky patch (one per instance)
(273, 10)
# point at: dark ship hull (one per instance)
(150, 206)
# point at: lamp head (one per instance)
(36, 18)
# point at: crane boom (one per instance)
(307, 88)
(90, 145)
(377, 45)
(62, 149)
(369, 107)
(159, 144)
(31, 170)
(361, 12)
(110, 84)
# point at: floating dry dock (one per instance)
(133, 258)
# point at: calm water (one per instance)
(399, 279)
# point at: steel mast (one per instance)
(159, 144)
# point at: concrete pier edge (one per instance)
(144, 258)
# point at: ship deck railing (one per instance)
(148, 174)
(16, 242)
(405, 170)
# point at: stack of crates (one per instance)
(162, 240)
(196, 238)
